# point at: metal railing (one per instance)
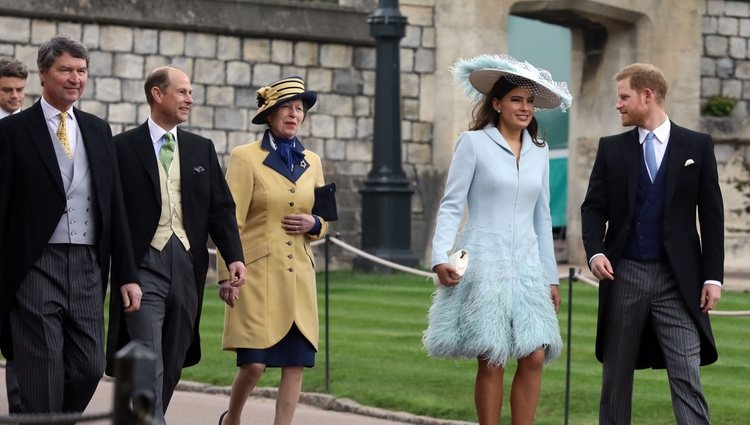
(133, 395)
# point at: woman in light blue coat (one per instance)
(505, 305)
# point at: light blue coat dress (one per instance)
(502, 308)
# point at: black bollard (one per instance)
(134, 393)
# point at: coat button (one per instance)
(292, 190)
(290, 256)
(291, 204)
(289, 243)
(290, 269)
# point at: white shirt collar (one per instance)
(51, 112)
(157, 132)
(4, 113)
(661, 132)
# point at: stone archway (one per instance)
(607, 35)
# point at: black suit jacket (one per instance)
(32, 201)
(207, 209)
(692, 189)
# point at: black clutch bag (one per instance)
(325, 202)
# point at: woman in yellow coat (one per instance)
(272, 320)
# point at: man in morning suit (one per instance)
(659, 276)
(13, 75)
(176, 197)
(62, 222)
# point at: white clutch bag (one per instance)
(459, 260)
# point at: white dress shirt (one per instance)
(157, 136)
(52, 118)
(4, 113)
(661, 138)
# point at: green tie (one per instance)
(166, 153)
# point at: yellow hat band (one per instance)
(285, 89)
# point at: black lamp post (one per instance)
(386, 193)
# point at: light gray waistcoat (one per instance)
(77, 225)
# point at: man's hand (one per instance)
(601, 268)
(554, 291)
(228, 293)
(131, 297)
(236, 273)
(710, 297)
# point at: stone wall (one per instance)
(725, 66)
(227, 64)
(725, 71)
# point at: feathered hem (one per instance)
(500, 310)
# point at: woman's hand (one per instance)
(297, 224)
(447, 274)
(555, 295)
(228, 293)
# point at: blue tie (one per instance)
(650, 155)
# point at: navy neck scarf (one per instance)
(287, 151)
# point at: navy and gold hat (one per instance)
(282, 91)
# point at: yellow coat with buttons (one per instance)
(279, 289)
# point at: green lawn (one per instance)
(377, 358)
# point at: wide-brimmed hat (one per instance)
(282, 91)
(478, 75)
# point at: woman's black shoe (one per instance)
(221, 418)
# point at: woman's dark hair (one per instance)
(483, 112)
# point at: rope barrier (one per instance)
(578, 276)
(379, 260)
(717, 313)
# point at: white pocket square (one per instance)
(689, 162)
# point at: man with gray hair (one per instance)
(13, 75)
(62, 221)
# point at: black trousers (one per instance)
(57, 324)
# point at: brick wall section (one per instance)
(725, 70)
(227, 69)
(725, 66)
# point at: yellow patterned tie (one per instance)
(62, 133)
(166, 153)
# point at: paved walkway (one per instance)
(197, 404)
